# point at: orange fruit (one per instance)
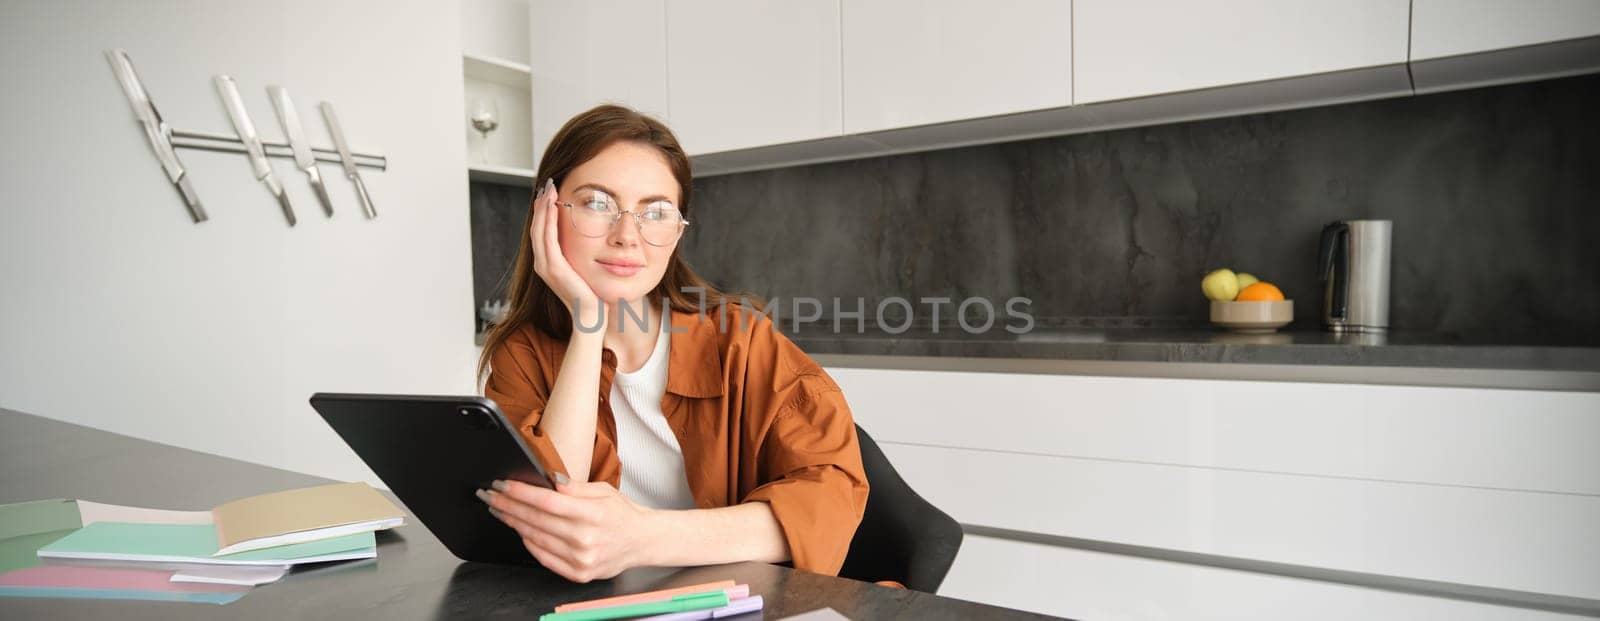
(1259, 292)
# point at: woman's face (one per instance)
(618, 264)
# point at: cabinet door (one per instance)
(1441, 28)
(752, 73)
(1084, 584)
(914, 63)
(1135, 48)
(588, 53)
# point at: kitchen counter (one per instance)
(1294, 354)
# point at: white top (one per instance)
(652, 461)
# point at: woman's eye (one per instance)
(660, 213)
(597, 205)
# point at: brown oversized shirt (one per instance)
(757, 419)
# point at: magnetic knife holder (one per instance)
(165, 140)
(231, 144)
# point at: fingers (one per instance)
(536, 231)
(552, 221)
(546, 548)
(531, 502)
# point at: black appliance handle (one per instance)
(1333, 266)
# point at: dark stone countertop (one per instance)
(1201, 344)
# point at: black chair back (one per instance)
(902, 537)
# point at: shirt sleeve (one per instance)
(811, 460)
(516, 384)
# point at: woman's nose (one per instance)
(625, 231)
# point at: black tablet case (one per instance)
(434, 452)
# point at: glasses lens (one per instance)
(660, 224)
(593, 212)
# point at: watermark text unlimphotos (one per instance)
(974, 315)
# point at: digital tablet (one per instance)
(434, 452)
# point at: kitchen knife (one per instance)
(350, 171)
(156, 130)
(252, 142)
(303, 158)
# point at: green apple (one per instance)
(1246, 280)
(1221, 285)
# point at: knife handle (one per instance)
(366, 199)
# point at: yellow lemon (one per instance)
(1220, 285)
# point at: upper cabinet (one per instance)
(1467, 43)
(1135, 48)
(750, 73)
(753, 84)
(1443, 28)
(593, 52)
(910, 62)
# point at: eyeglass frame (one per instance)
(638, 219)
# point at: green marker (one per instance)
(681, 603)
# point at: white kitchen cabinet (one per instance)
(1441, 28)
(1468, 43)
(1483, 488)
(1500, 539)
(1084, 584)
(1536, 440)
(752, 73)
(1136, 48)
(908, 62)
(593, 52)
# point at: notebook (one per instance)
(302, 515)
(112, 583)
(195, 543)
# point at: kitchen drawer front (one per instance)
(1524, 541)
(1084, 584)
(1504, 439)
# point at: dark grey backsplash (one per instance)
(498, 212)
(1493, 193)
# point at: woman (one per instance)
(694, 436)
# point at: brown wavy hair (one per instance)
(581, 139)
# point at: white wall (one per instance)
(117, 312)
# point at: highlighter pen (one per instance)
(680, 603)
(655, 596)
(735, 607)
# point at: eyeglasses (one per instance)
(594, 213)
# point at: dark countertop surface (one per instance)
(1201, 344)
(414, 576)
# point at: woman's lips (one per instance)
(620, 268)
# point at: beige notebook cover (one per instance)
(301, 515)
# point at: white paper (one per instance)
(158, 558)
(243, 576)
(91, 512)
(820, 614)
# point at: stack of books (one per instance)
(78, 548)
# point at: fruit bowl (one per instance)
(1252, 317)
